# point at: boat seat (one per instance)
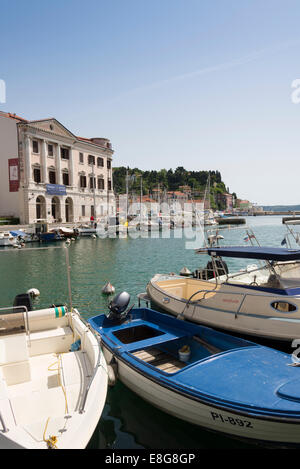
(160, 359)
(14, 359)
(13, 348)
(16, 373)
(56, 340)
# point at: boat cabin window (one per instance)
(136, 334)
(284, 306)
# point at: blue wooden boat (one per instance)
(223, 383)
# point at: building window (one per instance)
(64, 152)
(81, 158)
(37, 175)
(35, 146)
(100, 162)
(100, 183)
(50, 150)
(108, 164)
(92, 182)
(109, 185)
(82, 181)
(83, 210)
(91, 159)
(65, 177)
(52, 177)
(92, 211)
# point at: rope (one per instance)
(58, 362)
(52, 440)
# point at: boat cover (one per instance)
(18, 233)
(253, 252)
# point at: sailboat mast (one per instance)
(141, 198)
(126, 194)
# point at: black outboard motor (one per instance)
(118, 307)
(24, 299)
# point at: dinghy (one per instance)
(262, 300)
(53, 378)
(224, 383)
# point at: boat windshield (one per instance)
(279, 275)
(12, 320)
(288, 274)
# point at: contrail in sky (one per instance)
(214, 68)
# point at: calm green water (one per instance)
(127, 422)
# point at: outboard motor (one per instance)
(24, 299)
(118, 307)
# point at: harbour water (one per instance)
(127, 421)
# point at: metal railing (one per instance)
(5, 429)
(98, 363)
(244, 295)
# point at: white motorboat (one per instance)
(7, 239)
(24, 236)
(209, 218)
(86, 230)
(66, 232)
(261, 301)
(53, 378)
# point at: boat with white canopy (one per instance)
(261, 300)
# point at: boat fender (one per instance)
(33, 292)
(108, 289)
(112, 372)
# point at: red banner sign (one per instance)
(13, 172)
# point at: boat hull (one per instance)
(50, 237)
(229, 308)
(221, 420)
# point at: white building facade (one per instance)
(46, 172)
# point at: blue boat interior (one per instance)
(220, 368)
(157, 339)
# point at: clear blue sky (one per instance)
(204, 84)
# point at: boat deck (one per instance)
(53, 388)
(160, 359)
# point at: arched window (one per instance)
(69, 209)
(55, 208)
(40, 208)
